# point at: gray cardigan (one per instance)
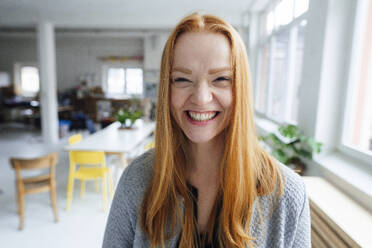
(288, 226)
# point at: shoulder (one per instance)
(293, 200)
(294, 193)
(288, 205)
(135, 178)
(284, 214)
(122, 221)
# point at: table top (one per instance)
(114, 139)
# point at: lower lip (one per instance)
(200, 123)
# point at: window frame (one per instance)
(355, 58)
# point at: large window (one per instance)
(358, 116)
(280, 59)
(124, 81)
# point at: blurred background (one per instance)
(77, 67)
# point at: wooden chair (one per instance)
(36, 184)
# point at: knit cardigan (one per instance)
(288, 225)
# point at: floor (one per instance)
(82, 226)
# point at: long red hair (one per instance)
(246, 170)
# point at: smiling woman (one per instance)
(208, 182)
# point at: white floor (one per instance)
(82, 226)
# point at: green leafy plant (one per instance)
(123, 115)
(289, 144)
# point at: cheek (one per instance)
(226, 99)
(177, 99)
(176, 102)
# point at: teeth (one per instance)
(202, 117)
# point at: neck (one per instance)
(205, 158)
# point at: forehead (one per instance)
(202, 48)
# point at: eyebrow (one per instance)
(182, 69)
(211, 71)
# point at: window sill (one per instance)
(331, 217)
(352, 177)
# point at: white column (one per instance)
(48, 89)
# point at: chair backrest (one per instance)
(35, 163)
(88, 157)
(150, 145)
(75, 139)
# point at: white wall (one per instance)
(16, 50)
(76, 56)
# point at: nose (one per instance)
(202, 93)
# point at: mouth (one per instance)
(202, 116)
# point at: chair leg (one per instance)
(104, 193)
(96, 182)
(82, 188)
(70, 189)
(96, 185)
(54, 201)
(110, 182)
(116, 172)
(21, 203)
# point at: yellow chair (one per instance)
(75, 139)
(72, 140)
(84, 172)
(150, 145)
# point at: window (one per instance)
(261, 93)
(280, 59)
(4, 79)
(116, 81)
(283, 14)
(124, 81)
(278, 76)
(27, 80)
(300, 7)
(30, 79)
(358, 116)
(134, 83)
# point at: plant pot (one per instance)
(297, 165)
(127, 124)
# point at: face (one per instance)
(201, 85)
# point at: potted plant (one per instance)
(127, 118)
(289, 144)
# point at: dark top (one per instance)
(202, 241)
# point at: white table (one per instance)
(114, 140)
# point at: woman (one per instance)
(208, 183)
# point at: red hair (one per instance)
(246, 170)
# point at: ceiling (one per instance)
(138, 14)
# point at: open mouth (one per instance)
(205, 116)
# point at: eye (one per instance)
(222, 79)
(181, 79)
(181, 82)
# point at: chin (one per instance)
(201, 138)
